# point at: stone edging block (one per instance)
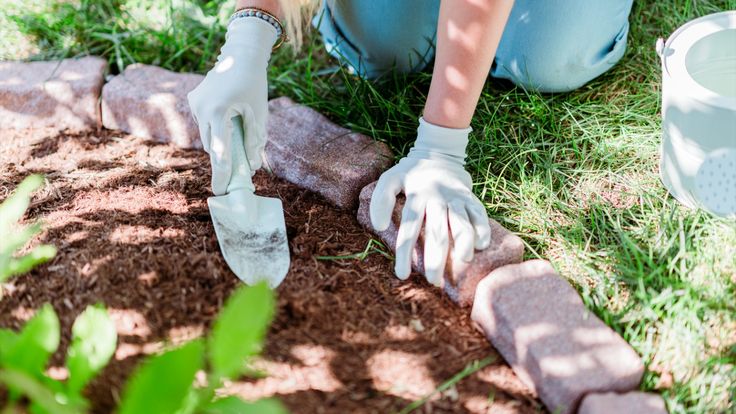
(630, 403)
(539, 324)
(461, 278)
(56, 94)
(308, 150)
(151, 102)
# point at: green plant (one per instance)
(162, 384)
(165, 383)
(373, 246)
(24, 356)
(15, 237)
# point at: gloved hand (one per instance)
(237, 85)
(438, 192)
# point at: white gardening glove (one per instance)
(438, 192)
(237, 85)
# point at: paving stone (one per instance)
(306, 149)
(629, 403)
(56, 94)
(461, 278)
(560, 349)
(151, 102)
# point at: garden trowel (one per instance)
(250, 228)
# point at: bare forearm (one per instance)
(468, 33)
(272, 6)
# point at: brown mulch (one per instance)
(130, 220)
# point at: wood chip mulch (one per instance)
(130, 220)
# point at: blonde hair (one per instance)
(297, 15)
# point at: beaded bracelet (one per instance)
(265, 16)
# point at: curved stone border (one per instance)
(534, 318)
(151, 102)
(551, 340)
(59, 94)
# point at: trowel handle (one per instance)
(241, 173)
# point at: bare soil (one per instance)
(130, 221)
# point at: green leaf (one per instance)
(7, 341)
(16, 266)
(239, 330)
(12, 209)
(14, 237)
(191, 402)
(234, 405)
(161, 384)
(43, 397)
(38, 339)
(93, 343)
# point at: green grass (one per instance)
(575, 175)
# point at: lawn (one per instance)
(575, 175)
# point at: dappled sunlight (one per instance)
(351, 336)
(138, 126)
(617, 191)
(225, 64)
(185, 333)
(680, 348)
(465, 37)
(129, 323)
(401, 332)
(390, 373)
(77, 236)
(488, 404)
(720, 333)
(313, 373)
(22, 313)
(128, 350)
(502, 378)
(128, 200)
(414, 294)
(533, 332)
(137, 234)
(391, 333)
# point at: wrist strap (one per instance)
(266, 16)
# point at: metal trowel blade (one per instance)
(252, 236)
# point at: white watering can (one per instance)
(698, 164)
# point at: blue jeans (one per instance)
(547, 45)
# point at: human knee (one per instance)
(563, 68)
(404, 42)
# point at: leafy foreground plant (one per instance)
(162, 384)
(24, 355)
(15, 237)
(165, 383)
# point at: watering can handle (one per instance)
(659, 47)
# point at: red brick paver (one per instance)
(306, 149)
(538, 322)
(57, 94)
(629, 403)
(151, 102)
